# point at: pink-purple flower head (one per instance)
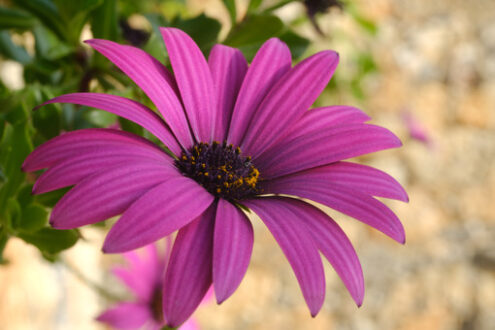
(143, 275)
(240, 135)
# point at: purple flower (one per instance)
(144, 277)
(240, 136)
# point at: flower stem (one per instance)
(90, 283)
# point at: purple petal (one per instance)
(188, 276)
(107, 194)
(353, 203)
(356, 177)
(76, 169)
(320, 147)
(143, 273)
(194, 80)
(126, 108)
(272, 60)
(288, 100)
(158, 213)
(228, 68)
(126, 316)
(154, 79)
(92, 142)
(232, 248)
(334, 245)
(283, 219)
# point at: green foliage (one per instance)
(51, 241)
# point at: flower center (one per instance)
(221, 169)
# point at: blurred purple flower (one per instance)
(416, 130)
(144, 277)
(202, 190)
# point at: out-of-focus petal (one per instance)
(158, 213)
(355, 204)
(92, 142)
(126, 316)
(126, 108)
(272, 60)
(194, 80)
(335, 246)
(189, 273)
(154, 79)
(232, 248)
(107, 194)
(320, 147)
(288, 100)
(282, 218)
(228, 68)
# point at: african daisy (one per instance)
(239, 135)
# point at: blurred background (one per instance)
(424, 69)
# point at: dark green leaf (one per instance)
(47, 13)
(14, 147)
(104, 21)
(11, 50)
(50, 240)
(25, 196)
(253, 31)
(33, 218)
(4, 237)
(15, 19)
(51, 198)
(76, 14)
(48, 46)
(13, 214)
(296, 43)
(230, 5)
(203, 29)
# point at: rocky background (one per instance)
(435, 63)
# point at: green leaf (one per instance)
(253, 31)
(75, 14)
(48, 46)
(13, 214)
(33, 218)
(48, 14)
(14, 147)
(296, 43)
(253, 5)
(4, 237)
(104, 21)
(25, 196)
(50, 240)
(230, 5)
(203, 29)
(51, 198)
(11, 50)
(100, 118)
(15, 19)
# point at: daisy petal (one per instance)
(353, 203)
(126, 108)
(76, 169)
(320, 147)
(194, 80)
(188, 276)
(272, 60)
(126, 316)
(232, 248)
(90, 142)
(154, 79)
(335, 246)
(283, 219)
(288, 99)
(228, 68)
(107, 194)
(158, 213)
(361, 178)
